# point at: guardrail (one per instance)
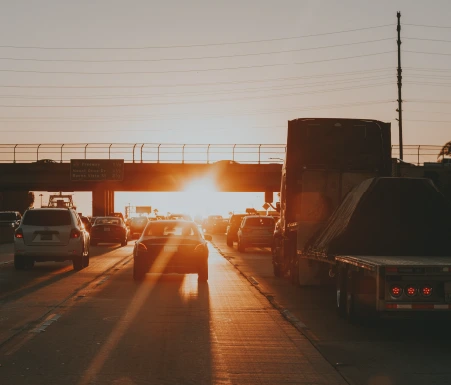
(143, 152)
(177, 153)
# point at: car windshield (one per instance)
(7, 216)
(171, 229)
(107, 221)
(47, 218)
(264, 222)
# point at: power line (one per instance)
(199, 45)
(186, 115)
(185, 71)
(429, 53)
(194, 102)
(192, 58)
(425, 39)
(428, 26)
(202, 84)
(193, 93)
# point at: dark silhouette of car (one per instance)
(109, 230)
(232, 228)
(137, 226)
(256, 230)
(171, 246)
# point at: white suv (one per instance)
(51, 234)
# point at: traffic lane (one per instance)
(390, 351)
(29, 295)
(169, 329)
(43, 273)
(6, 253)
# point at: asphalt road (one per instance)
(400, 351)
(97, 326)
(244, 326)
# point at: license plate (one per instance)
(170, 249)
(46, 237)
(106, 229)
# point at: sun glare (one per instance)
(199, 196)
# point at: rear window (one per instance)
(168, 229)
(236, 219)
(7, 216)
(108, 221)
(265, 222)
(47, 218)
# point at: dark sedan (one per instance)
(171, 246)
(109, 230)
(137, 226)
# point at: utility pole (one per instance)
(399, 87)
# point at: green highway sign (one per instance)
(96, 170)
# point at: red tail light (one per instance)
(18, 233)
(396, 291)
(411, 291)
(75, 233)
(426, 290)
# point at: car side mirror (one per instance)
(208, 237)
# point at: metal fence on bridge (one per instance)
(176, 153)
(143, 152)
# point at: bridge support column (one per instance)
(102, 202)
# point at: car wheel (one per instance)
(77, 262)
(19, 262)
(124, 242)
(229, 242)
(86, 259)
(202, 276)
(139, 273)
(241, 247)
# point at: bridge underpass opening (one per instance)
(193, 202)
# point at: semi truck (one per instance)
(382, 240)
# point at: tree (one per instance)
(445, 151)
(16, 200)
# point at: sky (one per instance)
(211, 72)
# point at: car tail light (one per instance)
(75, 233)
(141, 247)
(411, 291)
(18, 233)
(426, 291)
(396, 291)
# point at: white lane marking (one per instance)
(44, 324)
(253, 280)
(102, 280)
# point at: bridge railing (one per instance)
(143, 152)
(417, 154)
(177, 153)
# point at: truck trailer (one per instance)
(344, 218)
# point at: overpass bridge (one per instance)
(146, 167)
(156, 167)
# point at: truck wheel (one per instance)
(229, 242)
(19, 262)
(341, 293)
(77, 262)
